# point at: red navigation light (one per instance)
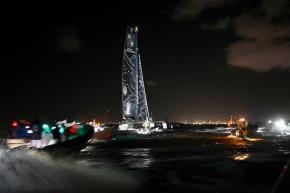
(14, 123)
(73, 129)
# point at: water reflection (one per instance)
(241, 156)
(137, 157)
(230, 140)
(218, 130)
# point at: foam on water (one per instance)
(31, 171)
(215, 130)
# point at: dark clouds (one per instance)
(264, 32)
(264, 44)
(275, 8)
(192, 8)
(68, 41)
(259, 55)
(221, 24)
(250, 27)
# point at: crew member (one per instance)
(36, 127)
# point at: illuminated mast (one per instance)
(134, 101)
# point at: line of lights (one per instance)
(209, 122)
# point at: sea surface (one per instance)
(200, 160)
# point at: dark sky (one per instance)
(202, 59)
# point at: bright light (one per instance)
(242, 119)
(61, 130)
(143, 131)
(260, 129)
(29, 131)
(46, 128)
(240, 157)
(280, 125)
(123, 127)
(14, 124)
(27, 127)
(270, 121)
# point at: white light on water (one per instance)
(280, 125)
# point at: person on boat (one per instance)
(36, 127)
(46, 135)
(14, 131)
(21, 131)
(62, 130)
(56, 135)
(18, 129)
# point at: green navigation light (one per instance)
(61, 130)
(45, 128)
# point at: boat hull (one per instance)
(74, 144)
(106, 134)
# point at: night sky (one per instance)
(202, 59)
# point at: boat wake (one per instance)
(215, 130)
(34, 171)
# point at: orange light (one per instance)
(241, 157)
(242, 119)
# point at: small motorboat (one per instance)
(74, 142)
(71, 138)
(244, 129)
(238, 132)
(105, 131)
(241, 130)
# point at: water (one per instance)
(38, 172)
(194, 161)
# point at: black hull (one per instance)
(71, 145)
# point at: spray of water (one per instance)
(35, 172)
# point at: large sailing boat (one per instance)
(134, 102)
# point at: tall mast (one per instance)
(129, 79)
(134, 101)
